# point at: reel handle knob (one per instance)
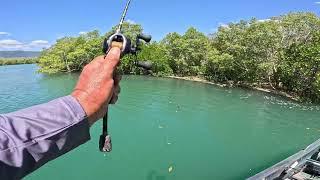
(147, 65)
(145, 37)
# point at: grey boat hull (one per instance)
(294, 166)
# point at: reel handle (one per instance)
(147, 65)
(145, 37)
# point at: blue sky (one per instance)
(34, 24)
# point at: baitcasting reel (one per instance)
(120, 41)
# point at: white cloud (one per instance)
(83, 33)
(267, 20)
(130, 21)
(11, 44)
(39, 44)
(264, 20)
(318, 2)
(223, 25)
(5, 33)
(220, 25)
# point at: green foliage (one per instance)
(280, 53)
(259, 48)
(218, 66)
(156, 53)
(301, 68)
(254, 46)
(71, 54)
(13, 61)
(186, 54)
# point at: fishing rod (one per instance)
(121, 41)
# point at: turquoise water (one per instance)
(197, 131)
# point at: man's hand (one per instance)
(98, 85)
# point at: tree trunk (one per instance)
(66, 62)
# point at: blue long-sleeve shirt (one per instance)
(31, 137)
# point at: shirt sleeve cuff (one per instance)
(74, 104)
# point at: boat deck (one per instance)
(304, 165)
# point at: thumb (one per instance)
(112, 59)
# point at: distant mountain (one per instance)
(19, 54)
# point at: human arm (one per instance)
(31, 137)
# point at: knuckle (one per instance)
(99, 58)
(86, 67)
(110, 82)
(113, 59)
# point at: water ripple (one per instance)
(159, 122)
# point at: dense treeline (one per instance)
(13, 61)
(282, 53)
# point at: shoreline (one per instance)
(17, 61)
(223, 85)
(16, 64)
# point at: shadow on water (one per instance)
(154, 175)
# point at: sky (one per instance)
(37, 24)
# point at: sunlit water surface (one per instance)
(165, 129)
